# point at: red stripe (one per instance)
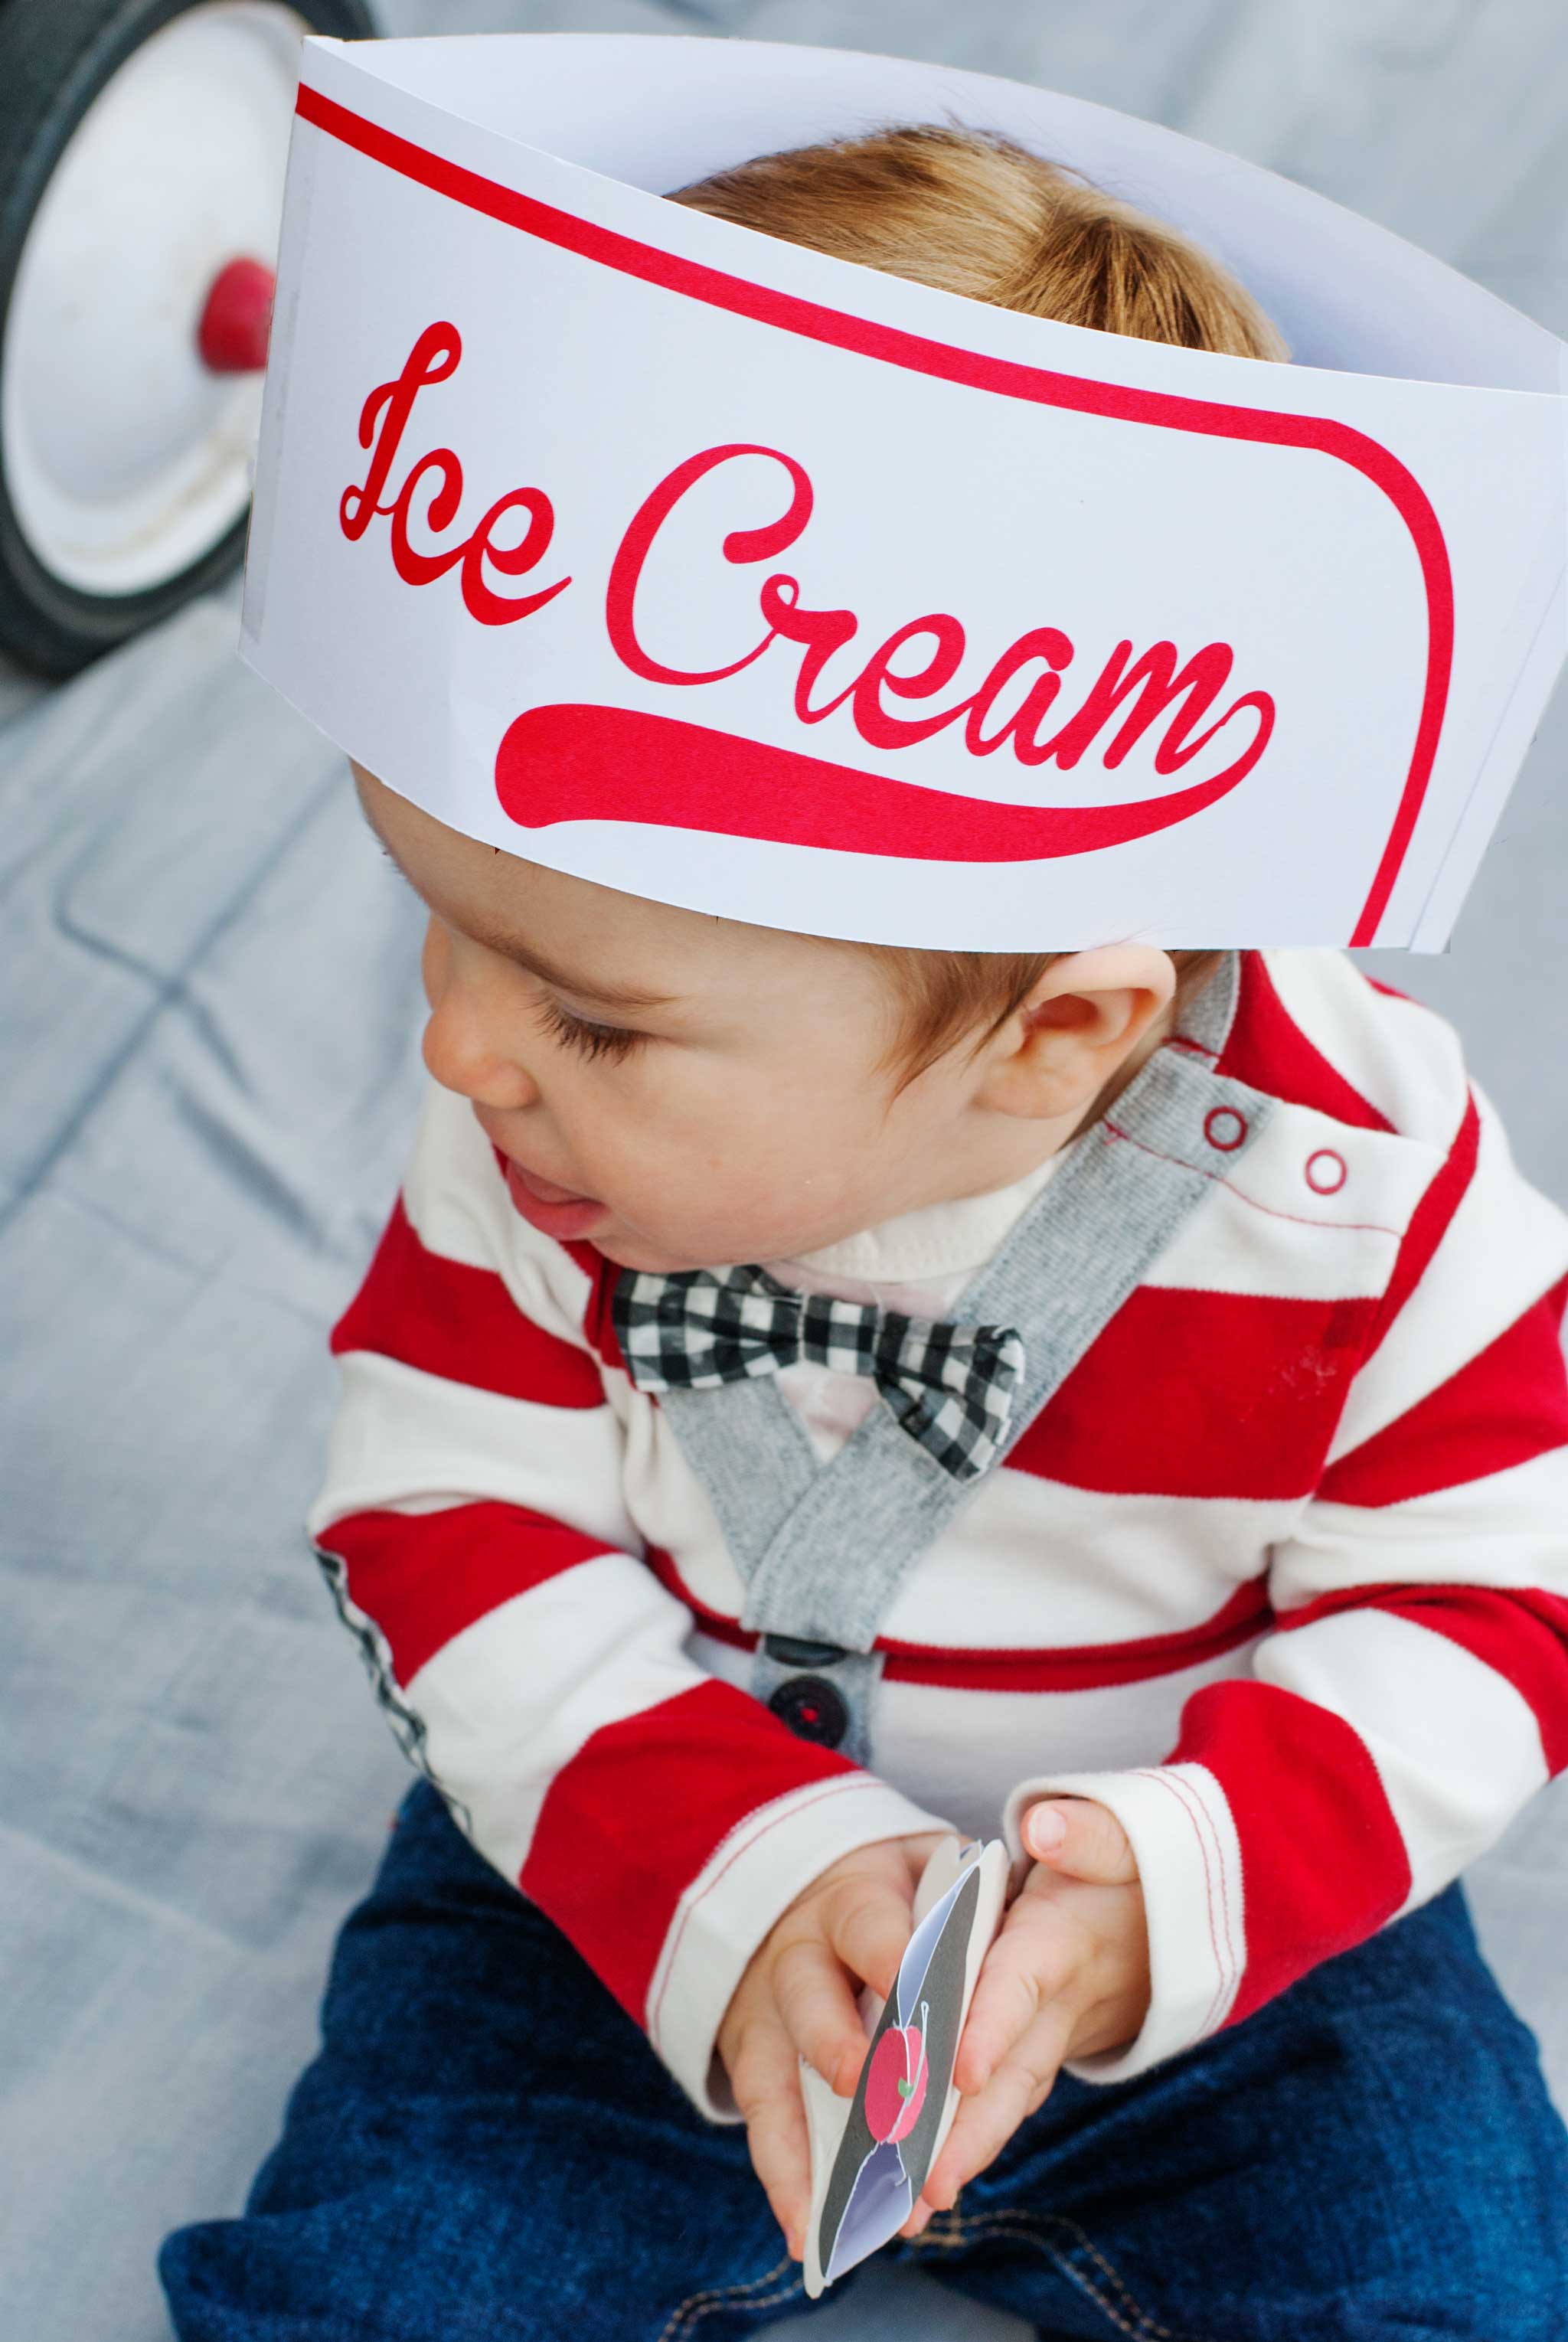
(423, 1577)
(714, 1623)
(449, 1318)
(1006, 377)
(572, 761)
(598, 1322)
(1522, 1632)
(1429, 1221)
(1269, 1051)
(1196, 1394)
(1323, 1861)
(631, 1819)
(1083, 1667)
(1073, 1666)
(1508, 1405)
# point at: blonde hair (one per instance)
(972, 212)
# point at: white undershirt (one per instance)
(919, 1263)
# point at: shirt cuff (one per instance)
(729, 1909)
(1184, 1843)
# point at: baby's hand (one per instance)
(800, 1992)
(1067, 1974)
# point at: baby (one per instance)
(1126, 1387)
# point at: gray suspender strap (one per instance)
(825, 1548)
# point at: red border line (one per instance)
(1007, 377)
(1021, 1667)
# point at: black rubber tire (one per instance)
(56, 56)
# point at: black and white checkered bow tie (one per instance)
(950, 1387)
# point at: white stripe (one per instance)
(400, 1433)
(1363, 1218)
(1185, 1842)
(1264, 1230)
(1032, 1562)
(1510, 1528)
(1457, 1749)
(1403, 1058)
(955, 1748)
(511, 1699)
(1029, 1564)
(458, 1206)
(957, 1751)
(1505, 1246)
(732, 1903)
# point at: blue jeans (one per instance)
(487, 2150)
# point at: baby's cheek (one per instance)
(433, 961)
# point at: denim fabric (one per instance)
(487, 2150)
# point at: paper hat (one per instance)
(680, 558)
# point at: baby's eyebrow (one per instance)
(561, 980)
(548, 971)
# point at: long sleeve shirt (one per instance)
(1279, 1572)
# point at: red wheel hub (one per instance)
(232, 336)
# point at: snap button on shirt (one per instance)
(1325, 1172)
(813, 1709)
(1225, 1129)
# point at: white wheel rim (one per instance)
(125, 459)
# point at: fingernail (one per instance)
(1046, 1829)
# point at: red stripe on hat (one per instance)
(1323, 1861)
(1196, 1393)
(1006, 377)
(632, 1818)
(423, 1577)
(561, 764)
(449, 1318)
(1519, 1632)
(1508, 1405)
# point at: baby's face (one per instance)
(681, 1090)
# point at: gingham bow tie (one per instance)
(950, 1387)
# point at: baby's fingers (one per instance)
(766, 2085)
(1017, 1976)
(984, 2123)
(819, 2010)
(1082, 1839)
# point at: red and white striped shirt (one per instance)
(1279, 1573)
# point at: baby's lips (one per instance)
(546, 1191)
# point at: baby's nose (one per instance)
(462, 1056)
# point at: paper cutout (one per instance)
(709, 567)
(871, 2154)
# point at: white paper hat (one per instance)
(703, 566)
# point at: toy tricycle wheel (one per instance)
(141, 153)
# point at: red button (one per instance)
(1225, 1129)
(1325, 1172)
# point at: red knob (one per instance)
(236, 318)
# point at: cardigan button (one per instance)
(795, 1651)
(813, 1709)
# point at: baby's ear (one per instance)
(1079, 1023)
